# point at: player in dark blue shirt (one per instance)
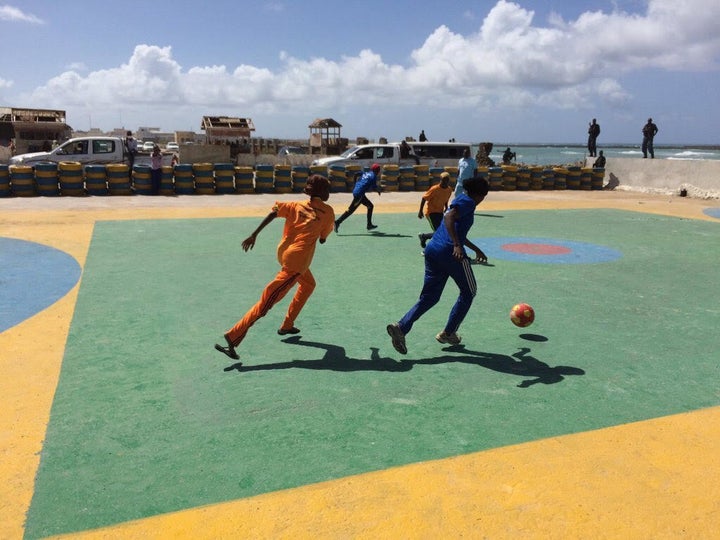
(366, 182)
(445, 258)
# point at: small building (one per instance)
(33, 130)
(325, 137)
(227, 129)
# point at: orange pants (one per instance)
(273, 293)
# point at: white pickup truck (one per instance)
(86, 150)
(441, 154)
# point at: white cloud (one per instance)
(13, 14)
(512, 60)
(4, 83)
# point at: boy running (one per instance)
(305, 223)
(445, 258)
(368, 181)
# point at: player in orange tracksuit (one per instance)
(305, 223)
(437, 198)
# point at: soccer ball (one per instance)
(522, 315)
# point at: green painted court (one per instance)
(148, 418)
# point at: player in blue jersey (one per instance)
(445, 258)
(367, 181)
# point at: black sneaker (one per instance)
(370, 227)
(337, 226)
(229, 350)
(286, 331)
(423, 240)
(398, 338)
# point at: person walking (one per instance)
(437, 198)
(306, 222)
(367, 181)
(649, 131)
(131, 149)
(593, 132)
(467, 168)
(445, 257)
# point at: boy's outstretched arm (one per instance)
(249, 242)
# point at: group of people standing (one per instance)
(649, 131)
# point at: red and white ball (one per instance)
(522, 315)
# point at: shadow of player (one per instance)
(519, 363)
(335, 359)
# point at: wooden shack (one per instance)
(325, 137)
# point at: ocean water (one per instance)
(569, 155)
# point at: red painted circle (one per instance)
(536, 249)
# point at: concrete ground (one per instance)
(120, 421)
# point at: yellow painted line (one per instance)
(421, 501)
(654, 479)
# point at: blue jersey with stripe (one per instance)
(441, 243)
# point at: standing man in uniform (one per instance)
(467, 168)
(649, 131)
(593, 132)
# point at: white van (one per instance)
(441, 154)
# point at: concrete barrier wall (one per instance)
(701, 178)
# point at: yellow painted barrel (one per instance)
(224, 178)
(46, 179)
(390, 178)
(598, 178)
(167, 180)
(70, 176)
(422, 177)
(22, 181)
(299, 175)
(264, 178)
(560, 177)
(5, 190)
(495, 178)
(338, 178)
(407, 179)
(96, 180)
(509, 177)
(142, 180)
(184, 179)
(204, 178)
(118, 179)
(573, 177)
(283, 178)
(244, 180)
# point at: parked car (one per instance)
(86, 150)
(148, 146)
(172, 146)
(427, 153)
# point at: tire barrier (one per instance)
(407, 179)
(204, 178)
(422, 177)
(283, 178)
(167, 181)
(560, 177)
(70, 178)
(22, 180)
(142, 180)
(70, 175)
(338, 179)
(184, 179)
(46, 179)
(264, 179)
(95, 180)
(118, 179)
(299, 177)
(390, 177)
(573, 177)
(244, 180)
(5, 190)
(224, 178)
(509, 178)
(598, 178)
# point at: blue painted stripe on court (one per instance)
(712, 212)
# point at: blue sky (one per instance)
(500, 71)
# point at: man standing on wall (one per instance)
(649, 131)
(593, 132)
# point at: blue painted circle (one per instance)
(712, 212)
(580, 252)
(33, 277)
